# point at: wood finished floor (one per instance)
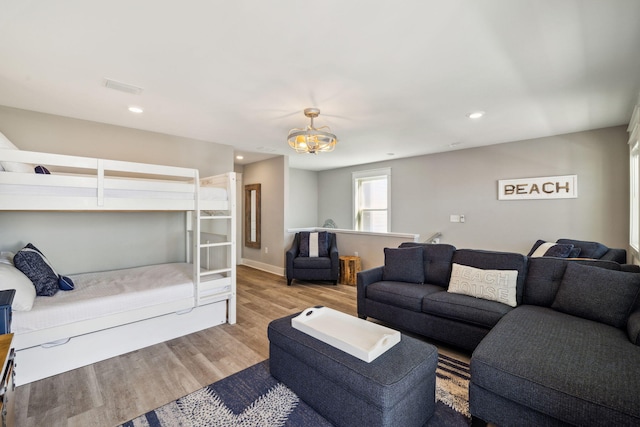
(116, 390)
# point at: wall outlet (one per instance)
(355, 253)
(266, 250)
(454, 218)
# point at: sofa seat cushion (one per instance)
(312, 262)
(464, 308)
(401, 294)
(575, 370)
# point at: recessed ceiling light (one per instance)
(476, 114)
(239, 157)
(136, 109)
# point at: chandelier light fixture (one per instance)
(310, 139)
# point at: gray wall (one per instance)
(303, 199)
(272, 175)
(33, 131)
(79, 242)
(426, 190)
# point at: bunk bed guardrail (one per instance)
(92, 184)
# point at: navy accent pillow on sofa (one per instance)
(557, 250)
(306, 244)
(593, 250)
(403, 265)
(35, 266)
(437, 261)
(594, 293)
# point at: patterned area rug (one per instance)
(252, 397)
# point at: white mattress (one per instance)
(107, 293)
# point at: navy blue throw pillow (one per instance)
(593, 250)
(42, 170)
(404, 265)
(559, 251)
(65, 283)
(314, 244)
(33, 264)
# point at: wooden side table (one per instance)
(349, 268)
(7, 387)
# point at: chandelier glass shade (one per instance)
(310, 139)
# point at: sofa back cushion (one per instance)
(594, 293)
(490, 260)
(437, 262)
(544, 276)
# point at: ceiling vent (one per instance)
(122, 87)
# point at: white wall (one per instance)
(427, 189)
(79, 242)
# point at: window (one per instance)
(634, 182)
(634, 235)
(371, 191)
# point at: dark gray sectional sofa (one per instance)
(568, 353)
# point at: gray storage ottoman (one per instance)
(396, 389)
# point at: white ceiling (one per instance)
(388, 76)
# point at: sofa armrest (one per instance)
(630, 268)
(291, 254)
(335, 259)
(365, 278)
(617, 255)
(633, 327)
(369, 276)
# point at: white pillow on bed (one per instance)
(12, 278)
(13, 166)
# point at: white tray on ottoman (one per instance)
(359, 338)
(395, 389)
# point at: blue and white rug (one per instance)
(252, 397)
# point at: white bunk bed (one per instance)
(150, 304)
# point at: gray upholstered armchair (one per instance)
(313, 256)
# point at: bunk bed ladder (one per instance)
(215, 278)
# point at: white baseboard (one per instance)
(264, 267)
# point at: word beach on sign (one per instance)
(549, 187)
